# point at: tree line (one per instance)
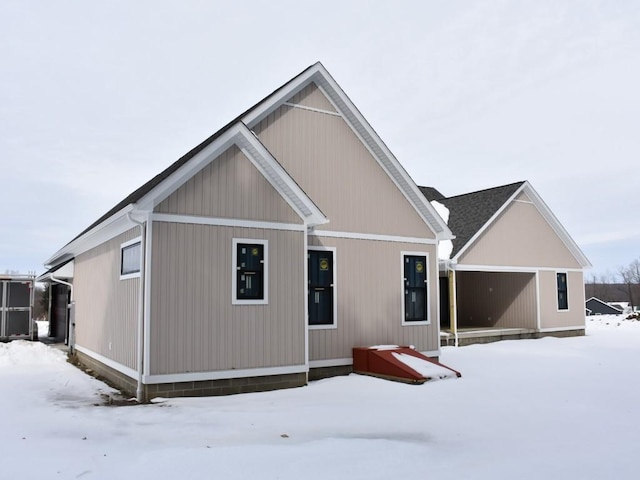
(621, 286)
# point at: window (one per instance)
(130, 259)
(415, 287)
(249, 272)
(321, 288)
(563, 300)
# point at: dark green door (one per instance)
(320, 287)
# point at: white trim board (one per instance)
(129, 372)
(226, 222)
(374, 237)
(222, 374)
(508, 269)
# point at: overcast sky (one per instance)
(98, 97)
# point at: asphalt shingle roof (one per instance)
(469, 212)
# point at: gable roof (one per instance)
(470, 214)
(238, 130)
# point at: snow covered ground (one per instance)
(526, 409)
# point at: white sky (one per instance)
(98, 97)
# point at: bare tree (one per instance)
(630, 276)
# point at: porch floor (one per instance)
(471, 335)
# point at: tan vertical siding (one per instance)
(311, 96)
(334, 168)
(501, 300)
(230, 187)
(106, 307)
(195, 328)
(369, 296)
(520, 237)
(550, 317)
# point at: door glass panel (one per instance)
(320, 287)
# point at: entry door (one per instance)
(320, 287)
(415, 288)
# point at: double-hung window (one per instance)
(249, 285)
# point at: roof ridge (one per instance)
(484, 190)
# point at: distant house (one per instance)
(595, 306)
(513, 270)
(252, 262)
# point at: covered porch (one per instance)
(487, 306)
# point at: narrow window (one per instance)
(250, 272)
(415, 288)
(321, 291)
(130, 259)
(563, 300)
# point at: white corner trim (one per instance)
(332, 362)
(146, 368)
(374, 236)
(265, 272)
(226, 222)
(222, 374)
(129, 372)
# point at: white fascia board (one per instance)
(114, 225)
(258, 155)
(319, 75)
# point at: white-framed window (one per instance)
(322, 302)
(250, 272)
(562, 288)
(415, 288)
(131, 259)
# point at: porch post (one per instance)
(453, 307)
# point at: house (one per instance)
(595, 306)
(512, 270)
(252, 262)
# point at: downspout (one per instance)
(140, 356)
(72, 327)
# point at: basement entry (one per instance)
(403, 364)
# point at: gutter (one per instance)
(139, 359)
